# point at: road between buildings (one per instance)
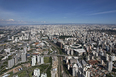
(60, 63)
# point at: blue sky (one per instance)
(57, 11)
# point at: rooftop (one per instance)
(80, 50)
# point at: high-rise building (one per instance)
(68, 66)
(74, 70)
(107, 57)
(112, 57)
(8, 37)
(97, 49)
(16, 59)
(10, 63)
(44, 75)
(7, 50)
(87, 74)
(12, 37)
(33, 60)
(23, 57)
(88, 58)
(71, 51)
(37, 72)
(38, 59)
(110, 66)
(42, 59)
(68, 52)
(28, 48)
(25, 50)
(96, 54)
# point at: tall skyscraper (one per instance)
(10, 63)
(110, 66)
(87, 74)
(42, 59)
(23, 57)
(71, 51)
(16, 59)
(37, 72)
(25, 50)
(33, 60)
(38, 59)
(74, 70)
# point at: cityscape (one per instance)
(58, 51)
(57, 38)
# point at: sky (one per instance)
(57, 11)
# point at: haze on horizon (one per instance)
(57, 11)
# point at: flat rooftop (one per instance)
(79, 50)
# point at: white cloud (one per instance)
(10, 20)
(42, 21)
(105, 12)
(3, 20)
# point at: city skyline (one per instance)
(57, 11)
